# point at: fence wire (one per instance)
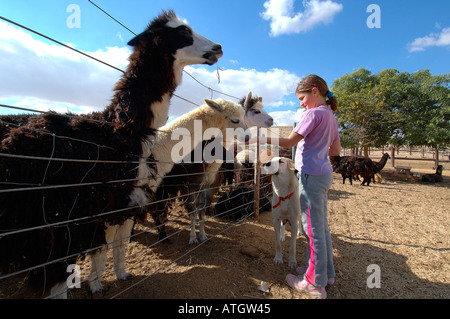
(10, 187)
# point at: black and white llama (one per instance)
(79, 192)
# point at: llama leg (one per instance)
(59, 291)
(192, 209)
(202, 233)
(98, 263)
(121, 239)
(193, 236)
(201, 213)
(160, 218)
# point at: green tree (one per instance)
(428, 118)
(394, 107)
(359, 105)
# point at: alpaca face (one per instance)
(256, 116)
(254, 113)
(234, 118)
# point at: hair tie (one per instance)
(310, 84)
(329, 94)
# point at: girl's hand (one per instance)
(257, 139)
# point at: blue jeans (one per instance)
(319, 251)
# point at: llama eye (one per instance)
(256, 111)
(184, 28)
(234, 121)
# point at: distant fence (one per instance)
(408, 153)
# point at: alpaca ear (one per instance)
(214, 105)
(247, 100)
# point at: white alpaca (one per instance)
(215, 117)
(198, 179)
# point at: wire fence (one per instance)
(384, 230)
(8, 122)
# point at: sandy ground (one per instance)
(401, 226)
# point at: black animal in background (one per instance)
(352, 166)
(434, 178)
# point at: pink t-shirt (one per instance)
(319, 128)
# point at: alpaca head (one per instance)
(172, 35)
(254, 113)
(234, 117)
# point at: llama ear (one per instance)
(247, 100)
(133, 42)
(136, 39)
(214, 105)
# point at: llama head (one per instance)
(254, 113)
(234, 118)
(174, 36)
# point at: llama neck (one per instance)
(142, 96)
(383, 161)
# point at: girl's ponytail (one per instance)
(332, 101)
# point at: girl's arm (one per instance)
(335, 148)
(287, 142)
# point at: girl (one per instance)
(316, 137)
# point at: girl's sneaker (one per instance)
(298, 284)
(302, 270)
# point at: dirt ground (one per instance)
(400, 225)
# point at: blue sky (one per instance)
(268, 46)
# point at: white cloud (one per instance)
(274, 86)
(286, 118)
(37, 73)
(43, 76)
(285, 21)
(432, 40)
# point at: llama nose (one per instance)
(217, 47)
